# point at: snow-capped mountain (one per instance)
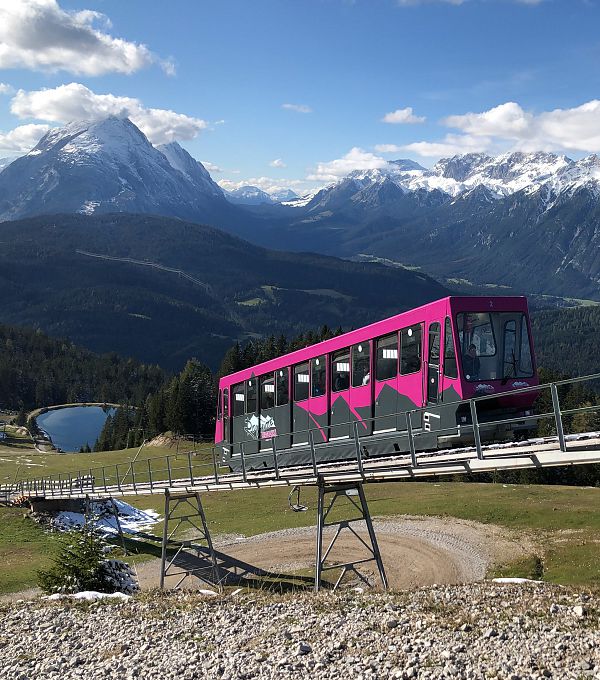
(108, 166)
(501, 175)
(251, 195)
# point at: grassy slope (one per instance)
(565, 520)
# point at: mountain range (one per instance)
(163, 290)
(529, 222)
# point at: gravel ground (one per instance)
(482, 630)
(416, 551)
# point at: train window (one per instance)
(476, 329)
(410, 344)
(361, 364)
(237, 392)
(219, 399)
(267, 391)
(526, 361)
(318, 383)
(283, 386)
(510, 345)
(387, 357)
(434, 343)
(340, 370)
(301, 381)
(226, 402)
(251, 400)
(450, 367)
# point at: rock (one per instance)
(579, 611)
(303, 648)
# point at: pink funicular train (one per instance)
(315, 402)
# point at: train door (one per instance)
(386, 382)
(238, 415)
(433, 363)
(266, 388)
(301, 385)
(318, 402)
(450, 367)
(283, 420)
(340, 414)
(361, 396)
(252, 417)
(226, 428)
(410, 378)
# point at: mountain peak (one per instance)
(107, 165)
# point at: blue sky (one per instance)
(448, 76)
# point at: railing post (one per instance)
(558, 417)
(189, 455)
(411, 440)
(359, 461)
(169, 471)
(150, 474)
(275, 463)
(313, 456)
(104, 478)
(215, 466)
(476, 434)
(243, 462)
(118, 478)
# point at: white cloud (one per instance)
(277, 163)
(403, 117)
(6, 89)
(22, 138)
(299, 108)
(574, 129)
(451, 145)
(355, 159)
(510, 127)
(211, 167)
(40, 35)
(77, 102)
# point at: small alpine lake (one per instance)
(72, 427)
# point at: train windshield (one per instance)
(494, 345)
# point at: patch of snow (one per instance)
(515, 580)
(131, 519)
(88, 596)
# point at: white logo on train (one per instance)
(265, 424)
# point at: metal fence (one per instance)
(187, 469)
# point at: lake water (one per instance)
(74, 427)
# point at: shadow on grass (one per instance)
(195, 560)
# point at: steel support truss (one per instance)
(350, 492)
(184, 511)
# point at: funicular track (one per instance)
(183, 478)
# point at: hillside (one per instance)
(36, 370)
(566, 340)
(178, 289)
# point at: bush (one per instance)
(80, 565)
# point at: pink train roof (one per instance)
(432, 311)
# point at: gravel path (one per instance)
(482, 630)
(416, 551)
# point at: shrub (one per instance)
(80, 565)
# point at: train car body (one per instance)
(314, 401)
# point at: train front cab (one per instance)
(493, 355)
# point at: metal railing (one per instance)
(186, 469)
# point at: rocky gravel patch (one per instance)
(482, 630)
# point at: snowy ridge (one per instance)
(550, 174)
